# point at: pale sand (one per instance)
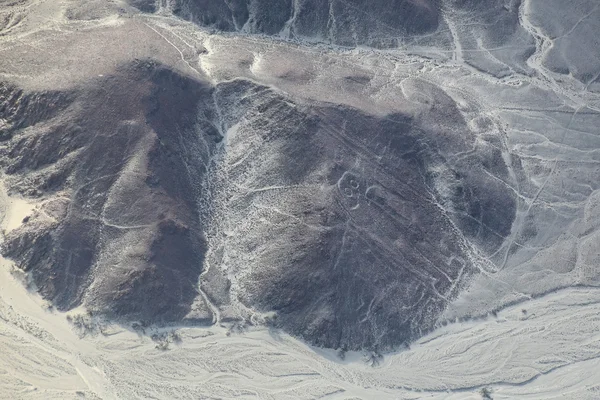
(13, 209)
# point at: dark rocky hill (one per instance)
(355, 229)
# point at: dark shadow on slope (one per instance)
(356, 230)
(345, 224)
(121, 168)
(344, 22)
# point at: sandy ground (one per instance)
(547, 348)
(537, 354)
(19, 208)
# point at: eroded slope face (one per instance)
(348, 23)
(356, 230)
(119, 172)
